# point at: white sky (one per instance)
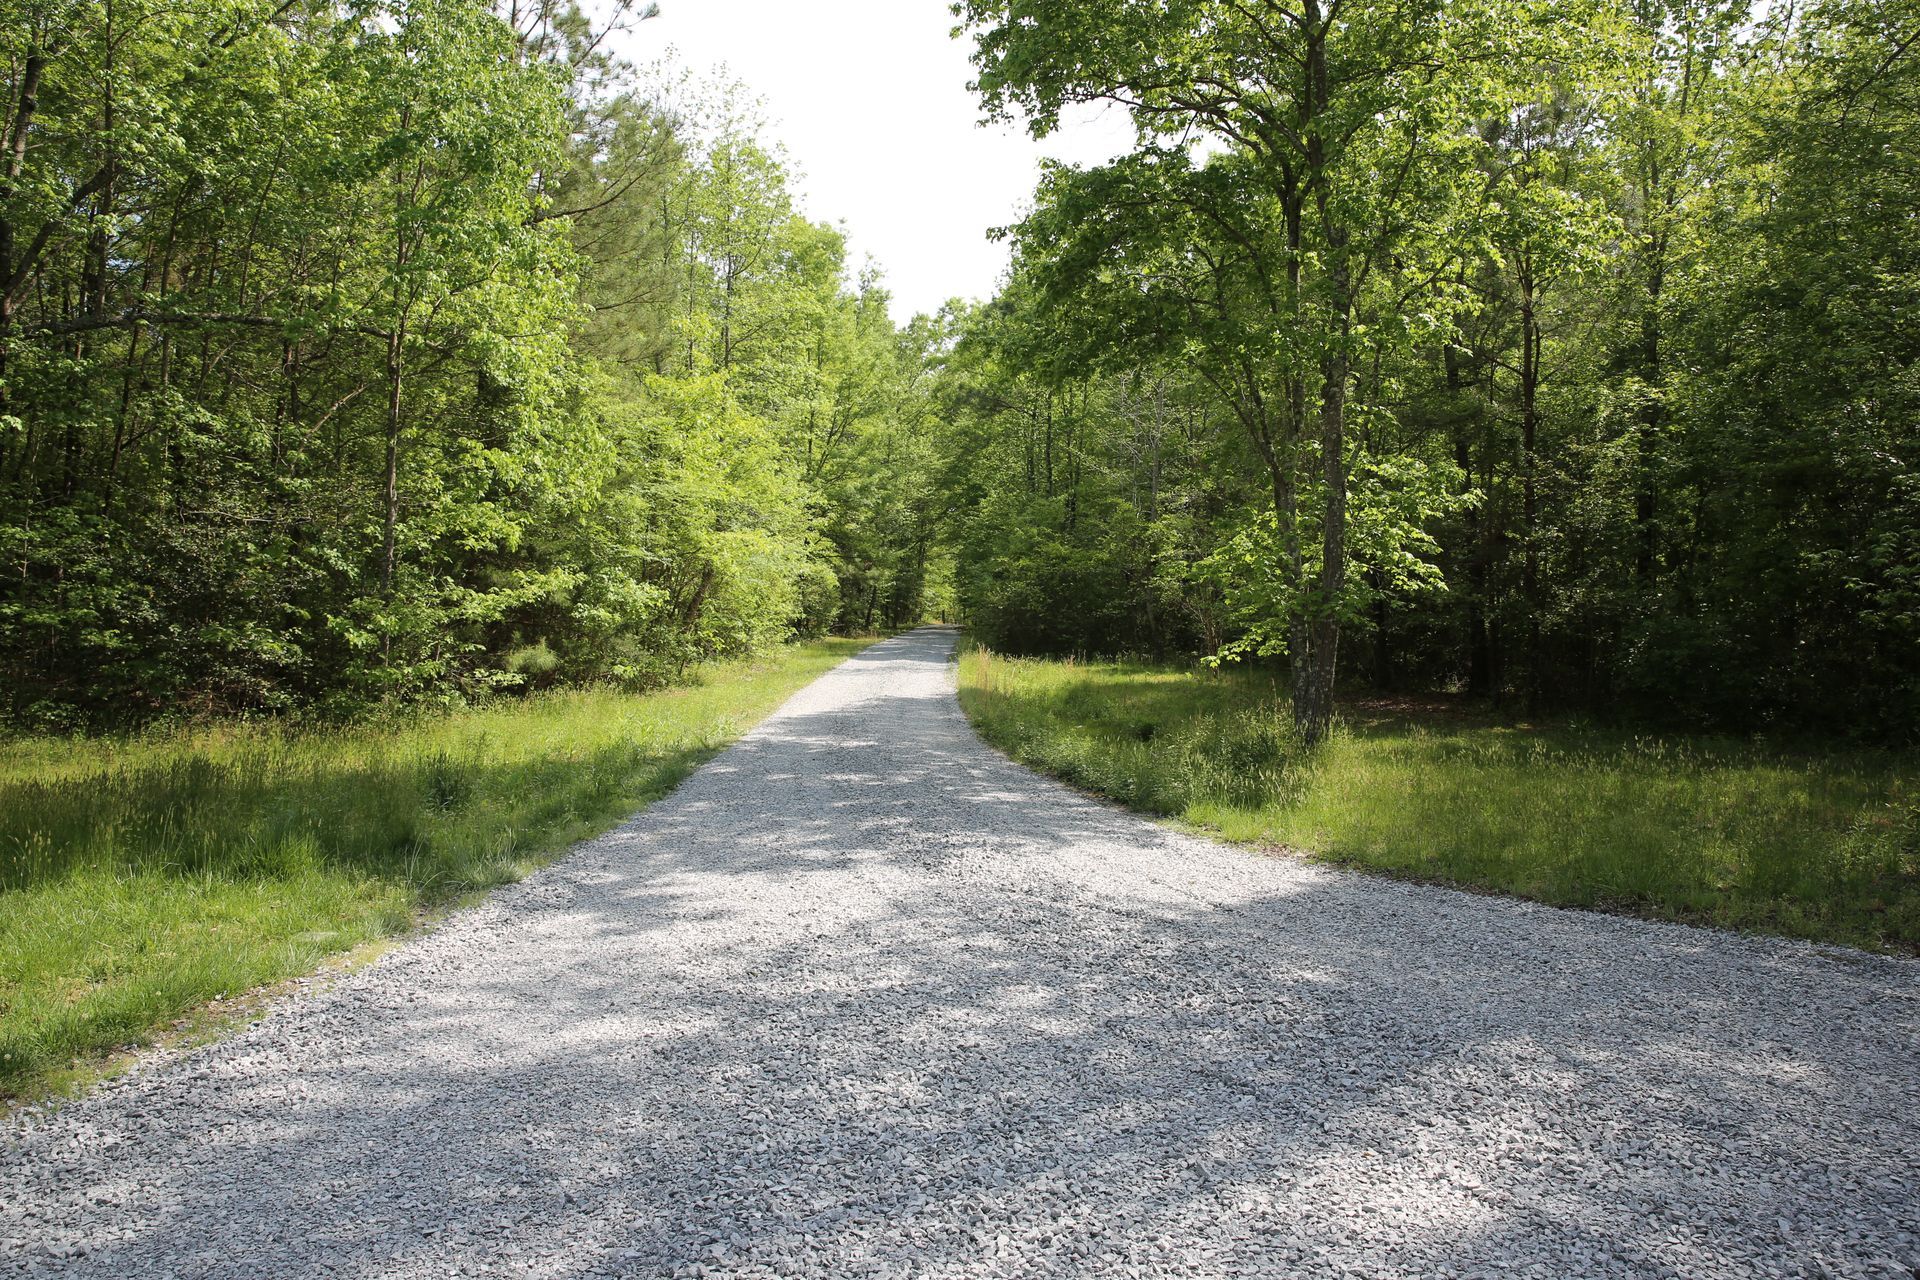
(870, 99)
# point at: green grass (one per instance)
(1812, 844)
(142, 878)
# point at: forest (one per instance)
(1562, 354)
(1559, 353)
(384, 353)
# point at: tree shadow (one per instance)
(945, 1018)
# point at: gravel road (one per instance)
(862, 998)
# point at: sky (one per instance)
(870, 99)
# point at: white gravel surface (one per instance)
(862, 998)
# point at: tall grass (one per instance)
(143, 877)
(1799, 841)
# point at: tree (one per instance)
(1352, 123)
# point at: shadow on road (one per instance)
(865, 995)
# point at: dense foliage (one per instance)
(1558, 351)
(1579, 376)
(358, 351)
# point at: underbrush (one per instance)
(142, 877)
(1793, 840)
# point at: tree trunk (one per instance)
(1529, 465)
(1049, 447)
(1479, 656)
(1646, 496)
(1313, 682)
(396, 372)
(1382, 638)
(14, 274)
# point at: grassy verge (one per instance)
(142, 878)
(1822, 845)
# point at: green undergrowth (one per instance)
(1784, 839)
(141, 878)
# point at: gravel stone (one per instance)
(863, 998)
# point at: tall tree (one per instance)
(1353, 121)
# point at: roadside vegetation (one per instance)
(141, 878)
(1710, 830)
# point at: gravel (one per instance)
(863, 998)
